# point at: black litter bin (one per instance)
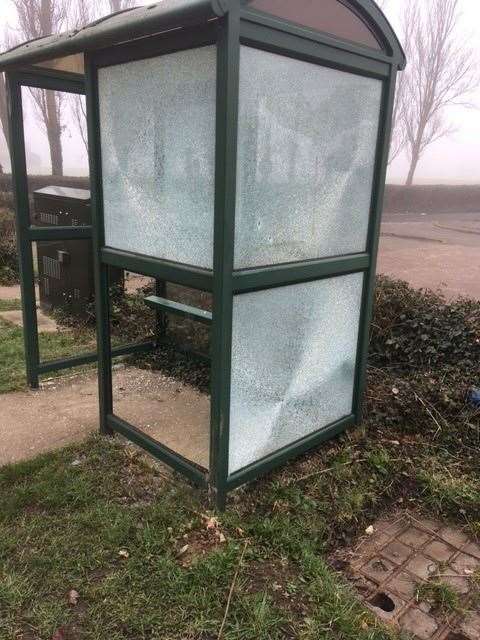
(65, 267)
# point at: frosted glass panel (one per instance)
(293, 364)
(157, 121)
(306, 153)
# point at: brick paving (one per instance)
(406, 550)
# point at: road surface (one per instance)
(434, 251)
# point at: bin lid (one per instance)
(69, 193)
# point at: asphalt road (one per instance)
(434, 251)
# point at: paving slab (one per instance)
(10, 293)
(46, 324)
(419, 551)
(420, 624)
(65, 410)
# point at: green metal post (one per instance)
(102, 296)
(22, 219)
(160, 317)
(228, 66)
(383, 146)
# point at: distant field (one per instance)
(398, 198)
(432, 199)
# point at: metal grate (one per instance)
(51, 267)
(49, 218)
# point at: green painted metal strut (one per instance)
(22, 219)
(176, 308)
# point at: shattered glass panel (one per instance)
(306, 155)
(157, 120)
(293, 364)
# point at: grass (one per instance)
(441, 596)
(52, 346)
(10, 305)
(97, 519)
(112, 528)
(150, 562)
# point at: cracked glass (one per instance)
(306, 159)
(157, 122)
(293, 364)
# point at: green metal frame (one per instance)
(41, 78)
(228, 24)
(237, 27)
(162, 270)
(176, 308)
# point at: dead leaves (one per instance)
(202, 537)
(73, 597)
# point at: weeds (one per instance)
(442, 597)
(9, 273)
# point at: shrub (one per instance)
(424, 359)
(9, 272)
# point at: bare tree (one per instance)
(3, 100)
(441, 72)
(79, 116)
(38, 18)
(4, 110)
(119, 5)
(398, 138)
(85, 12)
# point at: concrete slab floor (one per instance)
(46, 324)
(65, 410)
(404, 552)
(13, 292)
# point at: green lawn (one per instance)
(52, 346)
(10, 305)
(146, 559)
(97, 519)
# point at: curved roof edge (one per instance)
(119, 27)
(370, 10)
(139, 22)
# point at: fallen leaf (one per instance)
(221, 537)
(183, 551)
(212, 523)
(123, 553)
(369, 530)
(73, 597)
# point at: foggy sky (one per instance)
(454, 159)
(457, 157)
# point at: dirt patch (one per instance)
(199, 541)
(277, 578)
